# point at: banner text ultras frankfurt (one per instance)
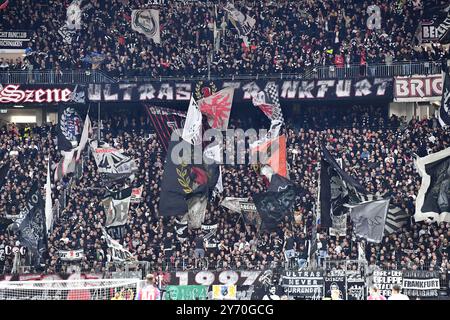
(289, 90)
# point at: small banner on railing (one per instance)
(71, 255)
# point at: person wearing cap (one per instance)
(149, 291)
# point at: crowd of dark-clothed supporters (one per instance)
(376, 149)
(288, 37)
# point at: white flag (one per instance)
(87, 129)
(146, 21)
(192, 131)
(273, 132)
(215, 153)
(48, 201)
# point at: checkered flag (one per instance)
(269, 103)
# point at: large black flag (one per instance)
(184, 181)
(276, 203)
(69, 128)
(32, 230)
(444, 110)
(433, 198)
(336, 189)
(279, 183)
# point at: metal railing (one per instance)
(317, 72)
(54, 77)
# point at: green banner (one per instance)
(186, 293)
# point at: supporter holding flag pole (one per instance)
(48, 200)
(444, 110)
(87, 131)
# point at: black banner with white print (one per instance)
(420, 283)
(288, 90)
(304, 284)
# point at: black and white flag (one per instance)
(181, 230)
(73, 21)
(273, 206)
(71, 255)
(69, 128)
(118, 252)
(192, 131)
(336, 188)
(146, 21)
(369, 219)
(444, 110)
(116, 207)
(244, 24)
(396, 218)
(433, 198)
(233, 204)
(31, 228)
(112, 164)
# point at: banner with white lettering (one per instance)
(14, 39)
(209, 278)
(71, 255)
(420, 283)
(418, 88)
(385, 280)
(304, 284)
(288, 90)
(17, 93)
(335, 280)
(356, 285)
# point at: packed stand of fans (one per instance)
(288, 37)
(379, 153)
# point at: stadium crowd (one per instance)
(377, 150)
(288, 37)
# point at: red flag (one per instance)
(217, 108)
(4, 4)
(275, 151)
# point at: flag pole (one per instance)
(98, 131)
(312, 260)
